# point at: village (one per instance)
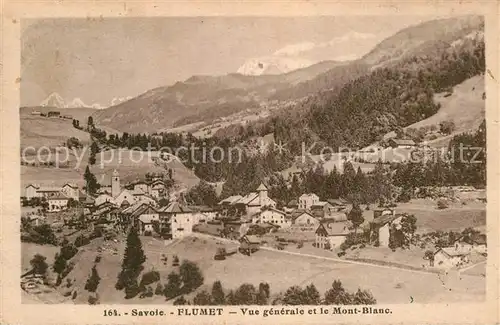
(241, 225)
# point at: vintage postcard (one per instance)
(249, 163)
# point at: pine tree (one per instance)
(191, 276)
(218, 294)
(90, 123)
(202, 298)
(173, 286)
(312, 294)
(337, 295)
(159, 289)
(59, 266)
(91, 181)
(93, 281)
(356, 216)
(132, 261)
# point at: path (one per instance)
(470, 267)
(333, 259)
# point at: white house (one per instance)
(141, 186)
(382, 224)
(251, 203)
(255, 201)
(272, 216)
(57, 203)
(71, 191)
(305, 220)
(49, 191)
(181, 219)
(449, 257)
(158, 189)
(125, 197)
(31, 191)
(307, 200)
(102, 198)
(331, 234)
(146, 223)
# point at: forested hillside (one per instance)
(384, 100)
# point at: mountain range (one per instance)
(57, 101)
(259, 82)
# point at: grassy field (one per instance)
(40, 131)
(456, 217)
(280, 270)
(465, 106)
(127, 162)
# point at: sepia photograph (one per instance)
(333, 160)
(251, 163)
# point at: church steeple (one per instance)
(115, 184)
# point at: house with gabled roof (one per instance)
(251, 203)
(449, 257)
(304, 220)
(402, 143)
(31, 191)
(381, 225)
(181, 219)
(57, 202)
(249, 244)
(70, 190)
(330, 234)
(273, 216)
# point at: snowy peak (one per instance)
(77, 102)
(56, 100)
(272, 65)
(53, 100)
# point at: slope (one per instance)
(465, 106)
(38, 131)
(163, 107)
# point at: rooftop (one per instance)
(335, 228)
(261, 187)
(403, 141)
(175, 207)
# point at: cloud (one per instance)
(295, 49)
(305, 47)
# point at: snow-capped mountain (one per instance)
(54, 100)
(77, 102)
(272, 65)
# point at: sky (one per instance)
(99, 60)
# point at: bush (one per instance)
(131, 290)
(180, 301)
(159, 289)
(97, 259)
(446, 127)
(149, 278)
(81, 241)
(68, 251)
(442, 204)
(93, 300)
(191, 276)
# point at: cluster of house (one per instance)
(327, 218)
(460, 252)
(52, 114)
(136, 204)
(57, 197)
